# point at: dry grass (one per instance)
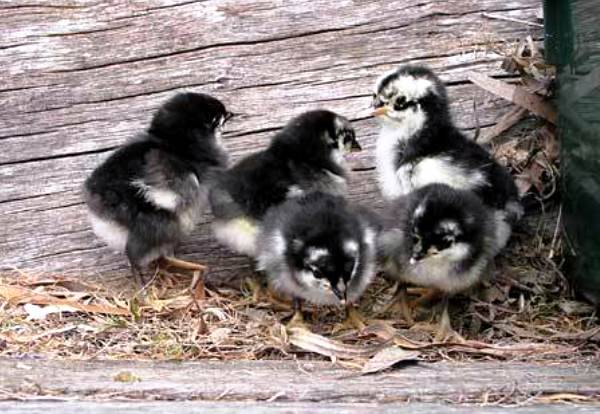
(524, 312)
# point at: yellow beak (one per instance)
(379, 111)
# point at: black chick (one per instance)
(150, 193)
(307, 155)
(419, 145)
(437, 237)
(317, 248)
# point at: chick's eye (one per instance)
(400, 104)
(415, 239)
(317, 273)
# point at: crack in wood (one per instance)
(208, 47)
(59, 156)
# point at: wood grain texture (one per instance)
(225, 407)
(81, 77)
(292, 381)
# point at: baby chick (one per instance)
(438, 237)
(419, 145)
(150, 193)
(307, 155)
(317, 248)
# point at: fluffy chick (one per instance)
(150, 193)
(419, 145)
(307, 155)
(317, 248)
(438, 237)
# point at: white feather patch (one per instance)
(112, 233)
(449, 226)
(294, 191)
(443, 170)
(420, 210)
(337, 156)
(350, 246)
(369, 237)
(160, 197)
(502, 229)
(393, 182)
(438, 271)
(239, 235)
(410, 87)
(315, 253)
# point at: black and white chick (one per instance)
(306, 155)
(150, 193)
(419, 144)
(437, 237)
(319, 249)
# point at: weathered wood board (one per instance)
(304, 385)
(160, 407)
(80, 77)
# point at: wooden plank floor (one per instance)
(300, 386)
(80, 77)
(160, 407)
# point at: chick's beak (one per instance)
(379, 111)
(417, 256)
(228, 116)
(338, 294)
(353, 146)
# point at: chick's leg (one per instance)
(427, 298)
(400, 303)
(136, 250)
(353, 320)
(138, 276)
(297, 320)
(445, 332)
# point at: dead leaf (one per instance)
(517, 95)
(126, 376)
(493, 293)
(35, 312)
(549, 143)
(20, 295)
(573, 307)
(219, 335)
(387, 333)
(523, 184)
(505, 123)
(309, 341)
(388, 358)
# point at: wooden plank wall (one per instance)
(80, 77)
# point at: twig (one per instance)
(503, 124)
(555, 236)
(517, 95)
(511, 19)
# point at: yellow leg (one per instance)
(353, 320)
(427, 298)
(297, 320)
(445, 332)
(197, 285)
(399, 303)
